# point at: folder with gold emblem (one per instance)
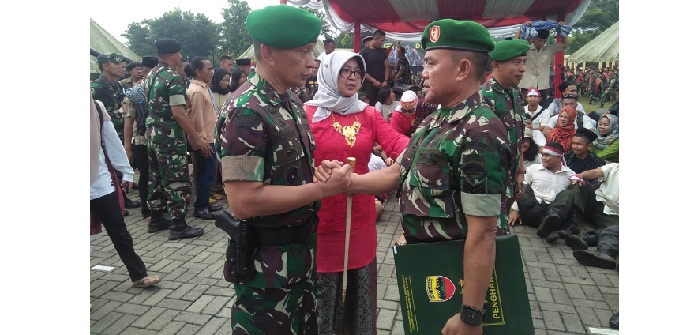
(430, 280)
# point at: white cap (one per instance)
(408, 99)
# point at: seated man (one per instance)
(583, 120)
(546, 202)
(580, 159)
(604, 212)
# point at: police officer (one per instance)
(502, 94)
(167, 127)
(452, 175)
(266, 151)
(110, 92)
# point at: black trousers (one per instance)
(608, 239)
(371, 92)
(108, 211)
(564, 203)
(140, 160)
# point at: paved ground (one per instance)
(193, 298)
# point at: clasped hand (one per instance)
(334, 174)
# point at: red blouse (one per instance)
(333, 212)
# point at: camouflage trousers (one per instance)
(168, 182)
(607, 95)
(118, 120)
(507, 201)
(288, 310)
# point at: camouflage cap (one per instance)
(508, 49)
(112, 57)
(283, 26)
(458, 35)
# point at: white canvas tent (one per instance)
(102, 41)
(603, 48)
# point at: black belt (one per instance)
(285, 235)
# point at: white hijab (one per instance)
(328, 99)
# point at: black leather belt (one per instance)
(285, 235)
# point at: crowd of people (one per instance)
(279, 131)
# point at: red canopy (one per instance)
(406, 19)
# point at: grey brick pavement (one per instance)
(193, 298)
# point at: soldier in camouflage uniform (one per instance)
(110, 92)
(264, 143)
(167, 127)
(452, 175)
(503, 96)
(596, 85)
(611, 88)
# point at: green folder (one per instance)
(430, 280)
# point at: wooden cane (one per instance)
(352, 162)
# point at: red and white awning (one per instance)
(406, 19)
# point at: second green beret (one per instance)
(459, 35)
(112, 57)
(283, 26)
(508, 49)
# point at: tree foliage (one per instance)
(196, 32)
(599, 16)
(234, 39)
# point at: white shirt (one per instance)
(535, 123)
(537, 160)
(608, 190)
(376, 163)
(553, 110)
(321, 56)
(587, 122)
(117, 155)
(386, 110)
(546, 184)
(538, 63)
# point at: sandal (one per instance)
(146, 281)
(217, 196)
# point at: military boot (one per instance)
(600, 258)
(181, 230)
(158, 222)
(551, 222)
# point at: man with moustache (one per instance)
(502, 94)
(264, 143)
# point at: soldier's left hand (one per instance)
(324, 170)
(455, 326)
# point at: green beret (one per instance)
(112, 57)
(508, 49)
(167, 46)
(459, 35)
(283, 26)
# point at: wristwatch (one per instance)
(471, 315)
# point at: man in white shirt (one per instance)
(605, 215)
(571, 101)
(540, 57)
(546, 202)
(329, 46)
(104, 197)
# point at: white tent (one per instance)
(603, 48)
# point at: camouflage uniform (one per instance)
(456, 164)
(508, 105)
(263, 136)
(610, 92)
(111, 94)
(168, 184)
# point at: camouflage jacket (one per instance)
(508, 105)
(264, 136)
(164, 88)
(111, 94)
(455, 165)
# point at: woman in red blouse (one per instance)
(343, 126)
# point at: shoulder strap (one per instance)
(537, 114)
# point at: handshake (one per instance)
(334, 176)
